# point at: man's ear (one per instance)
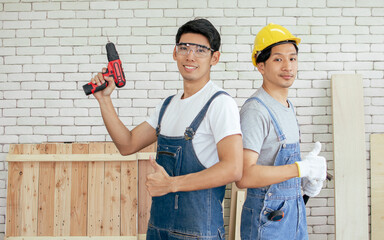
(215, 58)
(260, 67)
(174, 53)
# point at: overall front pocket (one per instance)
(169, 158)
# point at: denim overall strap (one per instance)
(293, 110)
(279, 132)
(191, 130)
(284, 196)
(162, 111)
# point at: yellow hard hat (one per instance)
(271, 34)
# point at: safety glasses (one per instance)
(198, 50)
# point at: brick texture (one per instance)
(50, 49)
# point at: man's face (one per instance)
(280, 70)
(194, 68)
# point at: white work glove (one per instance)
(311, 188)
(313, 167)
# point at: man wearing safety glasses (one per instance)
(199, 145)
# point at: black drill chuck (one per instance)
(111, 52)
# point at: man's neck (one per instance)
(192, 87)
(280, 95)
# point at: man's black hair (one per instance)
(266, 53)
(203, 27)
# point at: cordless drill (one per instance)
(114, 70)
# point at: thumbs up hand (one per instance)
(313, 167)
(159, 182)
(311, 188)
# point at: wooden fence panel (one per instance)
(96, 192)
(71, 190)
(129, 198)
(45, 214)
(62, 193)
(112, 194)
(145, 199)
(15, 173)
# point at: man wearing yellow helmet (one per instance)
(273, 170)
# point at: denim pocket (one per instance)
(182, 236)
(247, 223)
(287, 227)
(169, 158)
(271, 206)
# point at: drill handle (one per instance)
(115, 70)
(91, 88)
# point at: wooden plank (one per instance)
(377, 186)
(79, 192)
(111, 194)
(62, 193)
(29, 193)
(46, 193)
(15, 175)
(71, 157)
(239, 207)
(95, 192)
(351, 209)
(144, 199)
(129, 198)
(232, 211)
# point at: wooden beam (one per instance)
(79, 192)
(232, 212)
(76, 157)
(46, 206)
(239, 208)
(351, 204)
(377, 186)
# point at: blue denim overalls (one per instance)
(284, 196)
(185, 215)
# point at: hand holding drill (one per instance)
(114, 70)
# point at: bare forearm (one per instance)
(256, 176)
(119, 133)
(126, 141)
(215, 176)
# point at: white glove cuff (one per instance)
(302, 168)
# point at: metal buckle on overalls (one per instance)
(157, 130)
(189, 133)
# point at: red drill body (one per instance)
(114, 70)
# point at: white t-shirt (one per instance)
(222, 120)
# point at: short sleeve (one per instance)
(154, 117)
(254, 125)
(224, 117)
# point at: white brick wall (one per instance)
(48, 50)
